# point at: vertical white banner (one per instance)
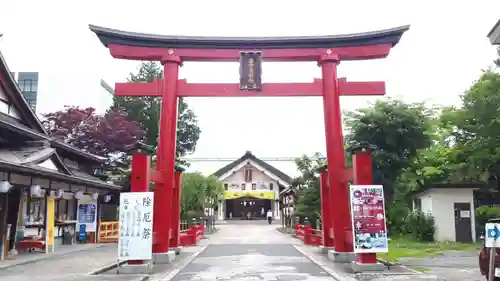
(136, 226)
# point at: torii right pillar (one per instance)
(338, 175)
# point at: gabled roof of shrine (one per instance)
(248, 156)
(119, 37)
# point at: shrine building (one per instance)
(251, 188)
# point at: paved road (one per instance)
(251, 251)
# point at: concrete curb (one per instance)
(47, 257)
(337, 276)
(106, 268)
(170, 275)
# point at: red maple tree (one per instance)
(101, 135)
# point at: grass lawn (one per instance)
(400, 247)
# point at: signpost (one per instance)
(368, 219)
(492, 242)
(136, 226)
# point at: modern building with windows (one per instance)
(28, 83)
(251, 188)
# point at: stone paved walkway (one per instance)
(67, 266)
(251, 251)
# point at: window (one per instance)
(248, 174)
(271, 186)
(225, 186)
(242, 186)
(254, 186)
(28, 85)
(417, 204)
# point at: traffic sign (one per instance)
(492, 235)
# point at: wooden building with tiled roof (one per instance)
(34, 167)
(251, 188)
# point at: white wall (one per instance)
(440, 203)
(238, 178)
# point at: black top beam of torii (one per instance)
(125, 38)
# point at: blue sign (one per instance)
(82, 234)
(493, 232)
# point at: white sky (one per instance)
(441, 55)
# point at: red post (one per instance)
(335, 154)
(140, 179)
(165, 162)
(176, 209)
(326, 216)
(362, 171)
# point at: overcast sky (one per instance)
(441, 55)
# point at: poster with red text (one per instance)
(368, 219)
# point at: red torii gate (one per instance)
(328, 51)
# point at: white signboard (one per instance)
(136, 226)
(491, 235)
(87, 214)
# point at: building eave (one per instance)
(284, 179)
(110, 36)
(33, 171)
(494, 34)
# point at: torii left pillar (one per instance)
(165, 161)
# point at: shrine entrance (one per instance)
(247, 208)
(327, 51)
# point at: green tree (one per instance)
(476, 130)
(309, 196)
(146, 112)
(398, 130)
(199, 192)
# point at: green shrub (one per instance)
(396, 212)
(483, 214)
(420, 226)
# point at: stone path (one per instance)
(251, 251)
(70, 266)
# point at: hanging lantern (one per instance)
(95, 195)
(79, 195)
(35, 190)
(5, 186)
(107, 198)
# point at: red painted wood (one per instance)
(176, 211)
(326, 218)
(185, 89)
(335, 154)
(165, 162)
(362, 171)
(233, 90)
(361, 88)
(153, 89)
(159, 54)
